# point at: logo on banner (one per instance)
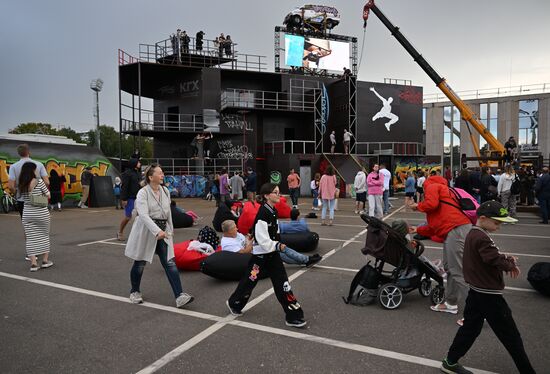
(324, 109)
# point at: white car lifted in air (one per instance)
(313, 17)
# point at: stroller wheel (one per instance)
(390, 296)
(425, 287)
(438, 295)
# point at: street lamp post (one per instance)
(96, 86)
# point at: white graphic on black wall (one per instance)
(385, 112)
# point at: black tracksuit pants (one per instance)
(494, 309)
(272, 265)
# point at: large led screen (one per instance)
(315, 53)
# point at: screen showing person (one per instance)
(325, 54)
(294, 47)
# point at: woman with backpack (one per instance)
(152, 234)
(508, 188)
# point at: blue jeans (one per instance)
(386, 198)
(330, 203)
(290, 256)
(315, 199)
(170, 268)
(544, 209)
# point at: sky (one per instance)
(51, 50)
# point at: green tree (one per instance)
(109, 139)
(46, 129)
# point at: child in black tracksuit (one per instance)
(483, 265)
(265, 258)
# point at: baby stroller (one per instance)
(411, 269)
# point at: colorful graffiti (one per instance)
(405, 165)
(186, 185)
(72, 170)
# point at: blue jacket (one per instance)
(251, 182)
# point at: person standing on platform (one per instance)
(23, 151)
(185, 40)
(347, 139)
(327, 193)
(85, 180)
(198, 40)
(483, 272)
(375, 188)
(266, 259)
(332, 142)
(251, 184)
(152, 234)
(130, 187)
(36, 219)
(294, 182)
(387, 183)
(228, 44)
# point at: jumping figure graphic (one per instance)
(385, 112)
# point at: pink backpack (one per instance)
(466, 203)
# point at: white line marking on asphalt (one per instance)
(345, 345)
(222, 321)
(97, 241)
(337, 224)
(172, 355)
(505, 252)
(340, 240)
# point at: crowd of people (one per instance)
(181, 42)
(472, 262)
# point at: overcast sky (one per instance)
(51, 50)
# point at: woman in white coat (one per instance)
(152, 233)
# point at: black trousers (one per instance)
(271, 264)
(495, 310)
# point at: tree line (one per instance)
(109, 138)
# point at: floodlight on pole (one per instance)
(96, 85)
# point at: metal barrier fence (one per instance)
(195, 166)
(388, 148)
(290, 147)
(275, 100)
(154, 121)
(491, 92)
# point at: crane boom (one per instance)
(466, 113)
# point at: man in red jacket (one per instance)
(448, 221)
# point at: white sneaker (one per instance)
(183, 299)
(135, 298)
(46, 264)
(445, 307)
(356, 211)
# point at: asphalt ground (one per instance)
(75, 317)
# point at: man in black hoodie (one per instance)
(130, 187)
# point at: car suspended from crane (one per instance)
(496, 150)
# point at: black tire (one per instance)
(390, 296)
(425, 287)
(329, 24)
(437, 295)
(296, 20)
(5, 204)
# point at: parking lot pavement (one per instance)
(75, 316)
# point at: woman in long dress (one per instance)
(36, 220)
(152, 234)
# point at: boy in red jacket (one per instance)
(483, 267)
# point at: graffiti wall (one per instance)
(405, 164)
(67, 160)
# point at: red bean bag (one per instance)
(283, 209)
(248, 215)
(188, 260)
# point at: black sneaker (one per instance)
(313, 260)
(455, 368)
(300, 322)
(233, 311)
